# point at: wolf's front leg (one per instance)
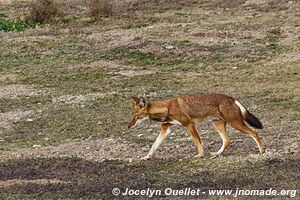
(194, 133)
(165, 131)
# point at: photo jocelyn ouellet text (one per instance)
(148, 192)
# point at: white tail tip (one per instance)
(242, 108)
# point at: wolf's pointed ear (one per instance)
(142, 102)
(136, 100)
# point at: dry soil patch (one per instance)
(16, 90)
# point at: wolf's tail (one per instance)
(248, 117)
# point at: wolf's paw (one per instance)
(145, 157)
(262, 151)
(215, 154)
(198, 156)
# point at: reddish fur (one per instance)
(189, 109)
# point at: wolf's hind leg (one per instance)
(240, 125)
(221, 129)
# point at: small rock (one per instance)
(169, 47)
(29, 120)
(275, 31)
(248, 3)
(145, 148)
(87, 148)
(36, 146)
(254, 156)
(234, 67)
(130, 160)
(140, 135)
(177, 146)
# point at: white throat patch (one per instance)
(138, 122)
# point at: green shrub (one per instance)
(8, 25)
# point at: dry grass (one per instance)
(108, 8)
(101, 8)
(228, 3)
(43, 11)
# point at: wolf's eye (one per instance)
(136, 117)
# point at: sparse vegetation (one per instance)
(101, 8)
(43, 11)
(182, 14)
(7, 25)
(141, 25)
(185, 42)
(133, 56)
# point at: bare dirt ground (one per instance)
(65, 101)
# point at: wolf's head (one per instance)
(139, 113)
